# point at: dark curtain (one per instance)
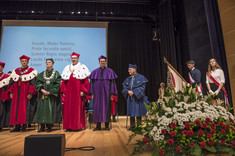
(170, 40)
(132, 43)
(216, 39)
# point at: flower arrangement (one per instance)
(186, 124)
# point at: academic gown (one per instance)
(22, 110)
(102, 86)
(5, 107)
(49, 107)
(72, 85)
(136, 103)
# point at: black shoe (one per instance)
(29, 125)
(0, 129)
(48, 130)
(15, 130)
(107, 128)
(114, 120)
(97, 129)
(68, 130)
(41, 130)
(131, 128)
(23, 130)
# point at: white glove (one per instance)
(188, 85)
(210, 91)
(216, 92)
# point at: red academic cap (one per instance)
(76, 54)
(102, 57)
(24, 57)
(2, 64)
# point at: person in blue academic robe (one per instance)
(134, 92)
(102, 89)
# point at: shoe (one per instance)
(41, 130)
(97, 129)
(23, 130)
(68, 130)
(114, 120)
(107, 128)
(15, 130)
(29, 125)
(130, 129)
(48, 130)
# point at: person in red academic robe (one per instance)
(74, 87)
(113, 112)
(23, 94)
(4, 98)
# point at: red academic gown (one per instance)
(20, 90)
(74, 109)
(3, 94)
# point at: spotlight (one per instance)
(32, 12)
(86, 12)
(103, 13)
(60, 12)
(20, 12)
(111, 12)
(79, 12)
(72, 12)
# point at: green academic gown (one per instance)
(49, 107)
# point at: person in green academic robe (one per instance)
(48, 87)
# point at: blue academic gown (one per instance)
(136, 104)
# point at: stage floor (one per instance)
(106, 143)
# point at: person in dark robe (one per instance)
(5, 104)
(48, 87)
(23, 94)
(194, 76)
(74, 87)
(134, 92)
(102, 89)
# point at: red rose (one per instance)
(178, 148)
(231, 120)
(213, 131)
(170, 141)
(233, 129)
(222, 142)
(221, 123)
(204, 125)
(233, 143)
(211, 143)
(160, 151)
(203, 144)
(191, 144)
(172, 133)
(208, 135)
(185, 132)
(163, 131)
(213, 125)
(145, 140)
(173, 125)
(200, 132)
(234, 124)
(222, 131)
(187, 125)
(190, 132)
(197, 122)
(208, 120)
(226, 126)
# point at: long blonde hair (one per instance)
(217, 66)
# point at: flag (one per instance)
(176, 79)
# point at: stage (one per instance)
(106, 143)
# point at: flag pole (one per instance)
(165, 61)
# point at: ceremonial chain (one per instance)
(21, 73)
(70, 69)
(48, 78)
(1, 75)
